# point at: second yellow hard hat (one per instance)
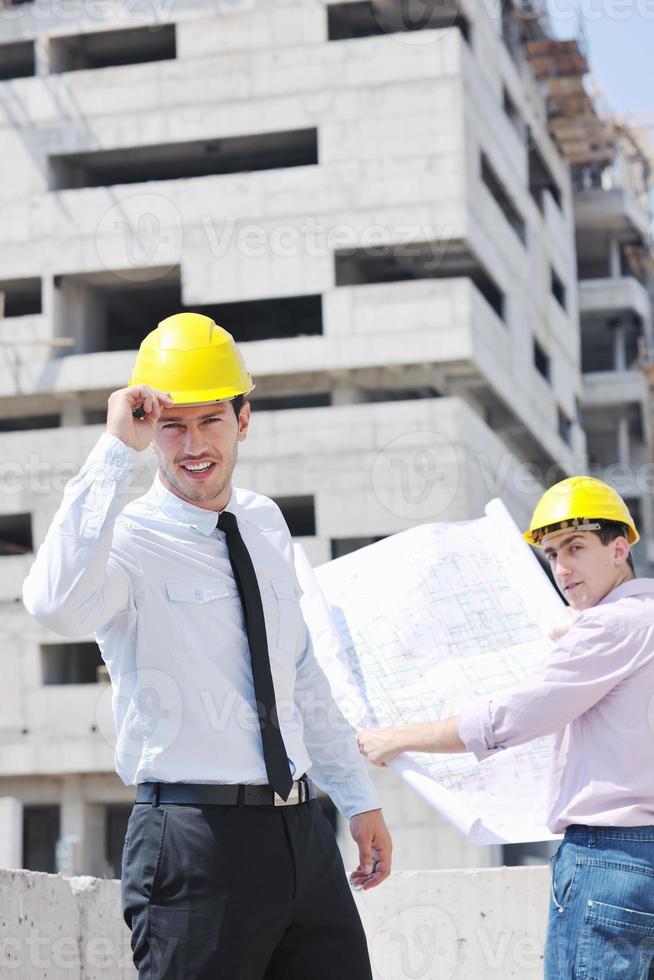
(194, 359)
(575, 502)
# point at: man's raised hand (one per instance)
(136, 432)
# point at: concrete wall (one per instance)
(441, 925)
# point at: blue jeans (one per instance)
(601, 924)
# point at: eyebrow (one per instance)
(200, 418)
(549, 550)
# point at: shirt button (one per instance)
(198, 594)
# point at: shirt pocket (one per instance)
(208, 615)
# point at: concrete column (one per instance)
(41, 55)
(79, 311)
(624, 449)
(347, 394)
(71, 828)
(80, 849)
(49, 304)
(72, 413)
(619, 328)
(11, 832)
(615, 259)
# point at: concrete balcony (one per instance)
(29, 335)
(617, 210)
(252, 81)
(373, 326)
(365, 327)
(608, 389)
(29, 21)
(611, 296)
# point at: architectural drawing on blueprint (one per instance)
(414, 626)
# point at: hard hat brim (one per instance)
(633, 537)
(188, 398)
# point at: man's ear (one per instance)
(620, 550)
(243, 421)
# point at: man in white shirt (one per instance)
(230, 869)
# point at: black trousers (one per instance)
(239, 893)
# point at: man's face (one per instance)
(197, 449)
(584, 569)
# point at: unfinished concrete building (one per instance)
(370, 199)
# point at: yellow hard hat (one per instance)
(195, 360)
(579, 502)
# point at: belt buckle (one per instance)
(293, 797)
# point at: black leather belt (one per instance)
(213, 794)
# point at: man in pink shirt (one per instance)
(596, 695)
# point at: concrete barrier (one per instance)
(422, 925)
(458, 925)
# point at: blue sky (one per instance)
(620, 42)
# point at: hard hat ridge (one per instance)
(185, 331)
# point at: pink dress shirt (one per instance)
(596, 695)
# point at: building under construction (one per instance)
(611, 169)
(433, 250)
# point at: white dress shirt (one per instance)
(151, 578)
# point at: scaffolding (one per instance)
(583, 136)
(603, 151)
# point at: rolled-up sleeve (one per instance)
(586, 663)
(476, 729)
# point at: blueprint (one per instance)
(413, 627)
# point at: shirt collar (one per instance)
(635, 586)
(203, 520)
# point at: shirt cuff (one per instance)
(357, 796)
(476, 729)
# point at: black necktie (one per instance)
(274, 752)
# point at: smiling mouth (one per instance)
(198, 470)
(573, 585)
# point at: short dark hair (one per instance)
(238, 403)
(609, 531)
